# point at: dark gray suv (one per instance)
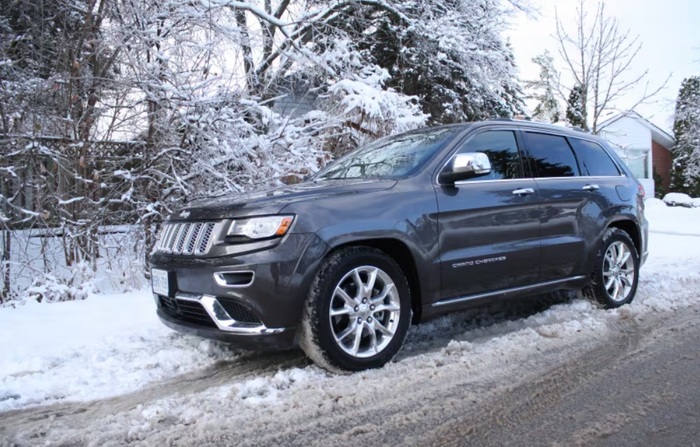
(407, 228)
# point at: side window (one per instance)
(593, 158)
(502, 149)
(551, 155)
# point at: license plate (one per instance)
(159, 282)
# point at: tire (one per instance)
(346, 326)
(616, 272)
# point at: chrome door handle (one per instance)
(523, 191)
(591, 188)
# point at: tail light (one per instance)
(640, 189)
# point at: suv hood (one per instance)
(273, 201)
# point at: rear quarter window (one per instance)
(594, 160)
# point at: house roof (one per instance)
(657, 134)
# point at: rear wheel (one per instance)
(358, 311)
(616, 273)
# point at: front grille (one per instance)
(237, 311)
(186, 238)
(185, 310)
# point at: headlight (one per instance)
(261, 227)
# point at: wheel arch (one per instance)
(399, 251)
(630, 227)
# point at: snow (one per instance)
(679, 199)
(110, 345)
(81, 350)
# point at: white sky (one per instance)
(669, 31)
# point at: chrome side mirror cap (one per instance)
(465, 166)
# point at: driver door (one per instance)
(489, 226)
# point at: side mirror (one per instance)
(465, 166)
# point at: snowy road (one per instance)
(638, 385)
(530, 373)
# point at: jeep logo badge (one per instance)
(185, 214)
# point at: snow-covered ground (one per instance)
(110, 345)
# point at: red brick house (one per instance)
(645, 147)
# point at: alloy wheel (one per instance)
(364, 311)
(618, 271)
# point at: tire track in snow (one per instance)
(222, 373)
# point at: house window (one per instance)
(637, 160)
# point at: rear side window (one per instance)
(593, 159)
(502, 149)
(551, 155)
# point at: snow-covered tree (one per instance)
(116, 111)
(685, 173)
(451, 55)
(575, 108)
(544, 90)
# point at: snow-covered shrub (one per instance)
(678, 199)
(47, 288)
(368, 110)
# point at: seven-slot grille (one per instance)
(186, 238)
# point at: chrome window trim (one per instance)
(468, 182)
(589, 177)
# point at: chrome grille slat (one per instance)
(166, 236)
(186, 238)
(173, 237)
(192, 239)
(183, 237)
(207, 233)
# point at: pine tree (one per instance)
(575, 108)
(547, 108)
(685, 171)
(451, 55)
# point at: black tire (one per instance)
(319, 330)
(606, 273)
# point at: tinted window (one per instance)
(551, 155)
(593, 158)
(390, 157)
(501, 148)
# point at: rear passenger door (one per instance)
(572, 202)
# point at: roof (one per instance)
(657, 134)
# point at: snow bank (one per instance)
(81, 350)
(680, 199)
(672, 220)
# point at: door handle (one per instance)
(523, 191)
(591, 188)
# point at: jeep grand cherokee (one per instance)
(407, 228)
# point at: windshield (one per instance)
(392, 157)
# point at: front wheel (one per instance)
(358, 311)
(616, 273)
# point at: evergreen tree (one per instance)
(547, 108)
(685, 171)
(575, 114)
(451, 55)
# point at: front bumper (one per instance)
(261, 313)
(228, 330)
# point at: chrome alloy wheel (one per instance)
(364, 312)
(618, 271)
